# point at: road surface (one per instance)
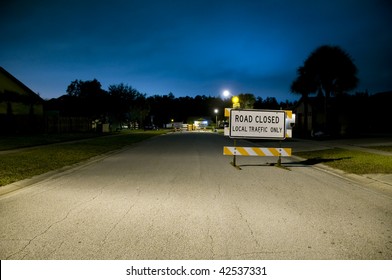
(177, 197)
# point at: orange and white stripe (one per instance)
(253, 151)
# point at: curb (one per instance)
(57, 172)
(364, 181)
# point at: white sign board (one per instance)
(258, 124)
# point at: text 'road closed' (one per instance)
(261, 124)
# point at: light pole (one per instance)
(216, 119)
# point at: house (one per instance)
(348, 115)
(21, 109)
(309, 116)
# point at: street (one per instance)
(177, 196)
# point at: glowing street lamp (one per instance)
(216, 118)
(226, 93)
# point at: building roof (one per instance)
(26, 89)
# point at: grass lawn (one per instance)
(25, 164)
(350, 161)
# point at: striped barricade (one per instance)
(256, 151)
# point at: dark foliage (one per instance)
(123, 105)
(328, 71)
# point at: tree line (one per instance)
(122, 104)
(323, 83)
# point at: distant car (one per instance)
(150, 127)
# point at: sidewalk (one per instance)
(362, 144)
(4, 152)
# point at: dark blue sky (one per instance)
(190, 47)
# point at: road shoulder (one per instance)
(381, 183)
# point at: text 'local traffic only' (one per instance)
(257, 124)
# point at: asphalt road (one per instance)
(177, 197)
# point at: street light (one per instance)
(234, 99)
(216, 118)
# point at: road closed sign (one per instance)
(258, 124)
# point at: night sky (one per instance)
(190, 47)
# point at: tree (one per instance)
(333, 69)
(84, 89)
(247, 100)
(121, 98)
(89, 98)
(140, 109)
(330, 71)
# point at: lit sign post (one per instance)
(258, 124)
(236, 102)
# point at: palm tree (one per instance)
(333, 72)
